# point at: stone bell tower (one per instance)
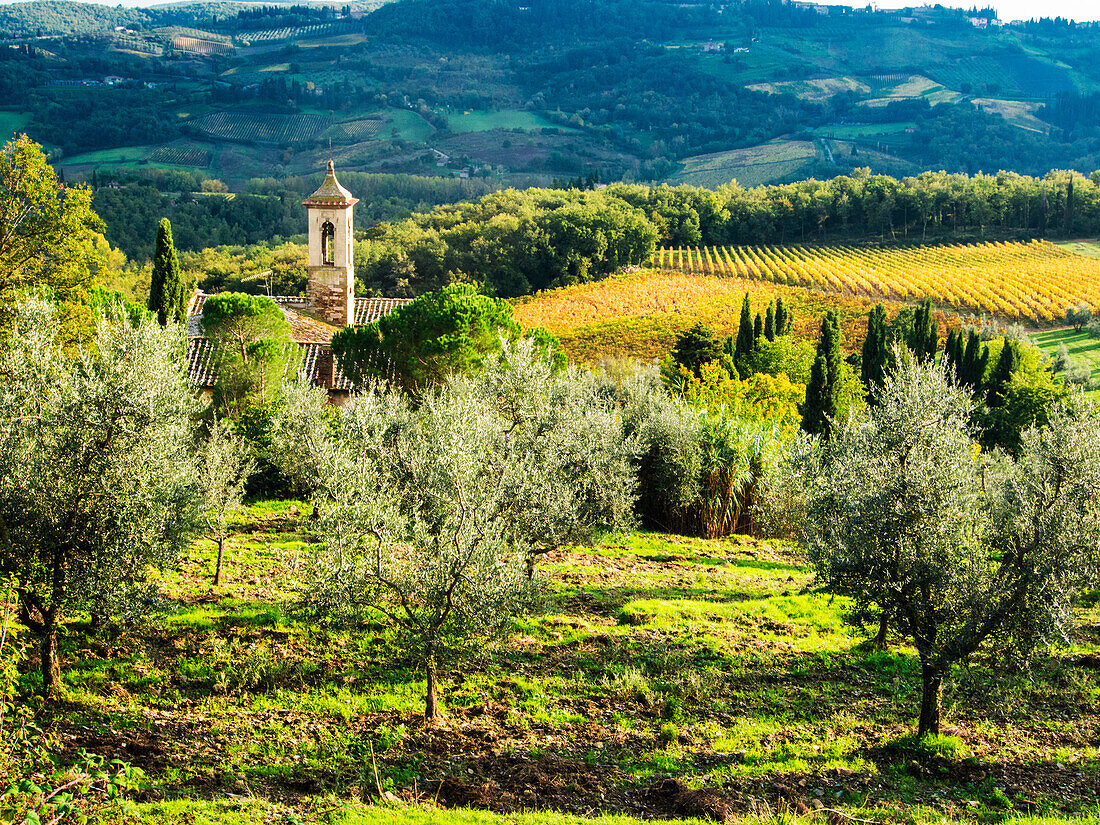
(331, 287)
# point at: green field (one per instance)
(650, 656)
(479, 121)
(408, 125)
(1082, 349)
(848, 131)
(123, 154)
(753, 166)
(1088, 248)
(12, 122)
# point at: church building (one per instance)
(328, 306)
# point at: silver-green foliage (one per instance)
(224, 468)
(959, 550)
(96, 471)
(433, 516)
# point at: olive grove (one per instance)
(433, 516)
(960, 550)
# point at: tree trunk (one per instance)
(879, 642)
(932, 680)
(431, 698)
(51, 664)
(218, 569)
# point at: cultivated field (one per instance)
(353, 131)
(640, 314)
(663, 676)
(180, 154)
(816, 89)
(753, 166)
(260, 128)
(197, 45)
(1032, 281)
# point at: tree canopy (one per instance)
(252, 351)
(47, 229)
(958, 550)
(422, 342)
(97, 483)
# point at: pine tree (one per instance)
(769, 323)
(166, 297)
(757, 330)
(743, 350)
(695, 347)
(875, 352)
(822, 393)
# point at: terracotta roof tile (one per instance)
(308, 334)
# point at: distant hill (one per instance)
(531, 91)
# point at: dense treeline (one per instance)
(517, 242)
(271, 209)
(513, 242)
(862, 205)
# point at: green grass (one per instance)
(338, 812)
(407, 125)
(1088, 248)
(1082, 349)
(861, 130)
(122, 154)
(12, 122)
(652, 655)
(481, 121)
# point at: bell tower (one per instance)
(331, 286)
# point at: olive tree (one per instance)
(432, 516)
(905, 516)
(96, 471)
(224, 468)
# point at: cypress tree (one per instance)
(769, 323)
(757, 330)
(875, 353)
(822, 392)
(957, 353)
(949, 353)
(923, 339)
(166, 287)
(814, 420)
(1006, 365)
(782, 320)
(968, 364)
(979, 369)
(745, 342)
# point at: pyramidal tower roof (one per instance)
(330, 193)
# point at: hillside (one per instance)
(639, 314)
(655, 656)
(759, 91)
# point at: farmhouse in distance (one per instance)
(328, 306)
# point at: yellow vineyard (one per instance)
(1033, 281)
(640, 313)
